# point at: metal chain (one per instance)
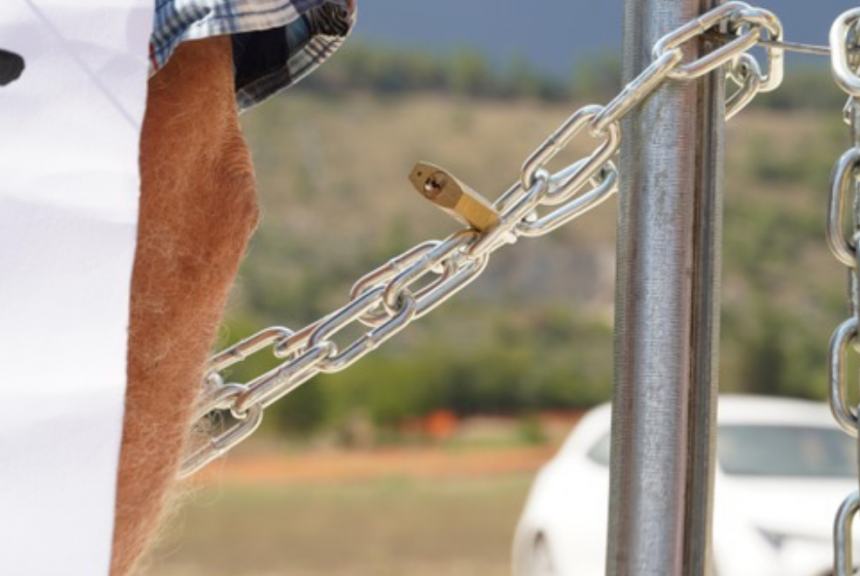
(412, 284)
(845, 184)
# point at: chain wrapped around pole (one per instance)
(845, 186)
(414, 283)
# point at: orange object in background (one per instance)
(441, 424)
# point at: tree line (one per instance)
(388, 71)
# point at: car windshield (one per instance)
(800, 451)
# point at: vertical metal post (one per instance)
(667, 312)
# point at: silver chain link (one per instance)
(409, 286)
(845, 185)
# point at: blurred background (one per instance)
(418, 459)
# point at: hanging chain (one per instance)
(845, 185)
(412, 284)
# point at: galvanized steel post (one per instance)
(667, 311)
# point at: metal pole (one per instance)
(667, 312)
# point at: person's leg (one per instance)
(197, 211)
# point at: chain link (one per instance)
(414, 283)
(845, 185)
(746, 73)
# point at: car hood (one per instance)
(785, 506)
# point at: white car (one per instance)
(783, 469)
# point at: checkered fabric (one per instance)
(276, 43)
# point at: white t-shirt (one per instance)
(69, 187)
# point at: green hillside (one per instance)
(535, 332)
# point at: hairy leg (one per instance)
(197, 211)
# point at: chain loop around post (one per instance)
(750, 25)
(771, 28)
(746, 73)
(673, 42)
(410, 285)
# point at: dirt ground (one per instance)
(416, 512)
(352, 466)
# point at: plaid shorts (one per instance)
(275, 42)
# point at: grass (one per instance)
(386, 527)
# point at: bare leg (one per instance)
(197, 211)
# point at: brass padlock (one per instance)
(455, 198)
